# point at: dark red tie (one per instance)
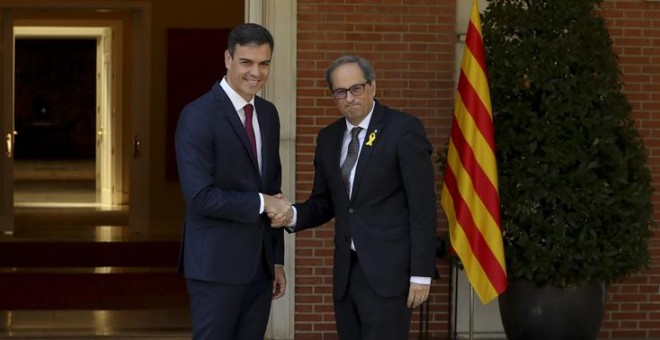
(248, 127)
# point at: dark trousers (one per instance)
(363, 314)
(231, 312)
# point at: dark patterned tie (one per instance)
(248, 127)
(351, 159)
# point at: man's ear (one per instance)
(227, 59)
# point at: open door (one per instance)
(128, 150)
(7, 122)
(108, 123)
(104, 125)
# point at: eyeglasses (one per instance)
(355, 90)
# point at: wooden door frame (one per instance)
(6, 122)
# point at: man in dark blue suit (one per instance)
(378, 184)
(227, 148)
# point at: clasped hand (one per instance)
(278, 209)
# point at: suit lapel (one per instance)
(227, 108)
(369, 146)
(335, 150)
(265, 129)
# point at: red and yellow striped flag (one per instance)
(469, 195)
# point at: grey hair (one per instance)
(365, 66)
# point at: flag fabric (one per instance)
(469, 194)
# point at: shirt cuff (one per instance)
(420, 280)
(294, 219)
(261, 203)
(291, 227)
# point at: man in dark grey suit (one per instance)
(227, 147)
(374, 175)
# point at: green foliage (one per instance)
(574, 187)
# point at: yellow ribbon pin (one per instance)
(372, 138)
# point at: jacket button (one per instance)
(350, 210)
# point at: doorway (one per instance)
(64, 98)
(64, 166)
(103, 180)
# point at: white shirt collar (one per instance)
(234, 97)
(364, 124)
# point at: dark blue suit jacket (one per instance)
(223, 233)
(392, 213)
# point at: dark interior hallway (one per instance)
(72, 269)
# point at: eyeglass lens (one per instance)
(355, 90)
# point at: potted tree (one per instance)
(575, 190)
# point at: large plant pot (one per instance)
(529, 312)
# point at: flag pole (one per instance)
(455, 267)
(471, 313)
(469, 194)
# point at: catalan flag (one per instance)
(470, 195)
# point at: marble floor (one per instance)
(116, 324)
(54, 192)
(90, 324)
(56, 200)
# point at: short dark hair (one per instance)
(249, 34)
(365, 66)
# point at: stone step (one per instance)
(45, 253)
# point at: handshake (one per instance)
(278, 209)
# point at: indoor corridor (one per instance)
(71, 269)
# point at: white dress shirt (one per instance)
(239, 103)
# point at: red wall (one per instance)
(411, 45)
(633, 306)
